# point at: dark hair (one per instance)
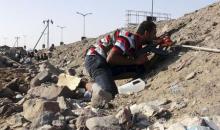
(145, 26)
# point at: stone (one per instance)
(81, 122)
(105, 123)
(9, 109)
(204, 111)
(44, 118)
(59, 123)
(63, 103)
(71, 127)
(178, 105)
(35, 108)
(72, 82)
(46, 65)
(198, 128)
(16, 120)
(23, 88)
(4, 127)
(192, 121)
(6, 92)
(50, 92)
(5, 101)
(124, 116)
(41, 77)
(190, 76)
(216, 120)
(13, 84)
(70, 117)
(144, 108)
(54, 78)
(176, 126)
(176, 88)
(211, 123)
(84, 115)
(45, 127)
(18, 96)
(71, 71)
(20, 102)
(100, 97)
(156, 126)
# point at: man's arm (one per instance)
(116, 57)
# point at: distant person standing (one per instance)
(52, 48)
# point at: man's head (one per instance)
(147, 31)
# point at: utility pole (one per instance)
(152, 8)
(84, 17)
(61, 33)
(24, 41)
(47, 22)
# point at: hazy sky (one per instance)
(24, 18)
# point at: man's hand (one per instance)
(166, 41)
(141, 59)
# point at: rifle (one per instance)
(156, 48)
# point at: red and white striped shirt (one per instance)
(103, 45)
(128, 43)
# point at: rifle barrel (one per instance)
(199, 48)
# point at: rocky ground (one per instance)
(182, 91)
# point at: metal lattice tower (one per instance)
(134, 17)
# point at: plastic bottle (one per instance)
(132, 87)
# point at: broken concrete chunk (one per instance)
(107, 122)
(5, 101)
(192, 121)
(44, 118)
(63, 103)
(16, 120)
(124, 115)
(41, 77)
(34, 108)
(72, 82)
(216, 120)
(176, 126)
(7, 92)
(198, 128)
(13, 84)
(50, 92)
(45, 65)
(145, 109)
(9, 109)
(84, 115)
(211, 123)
